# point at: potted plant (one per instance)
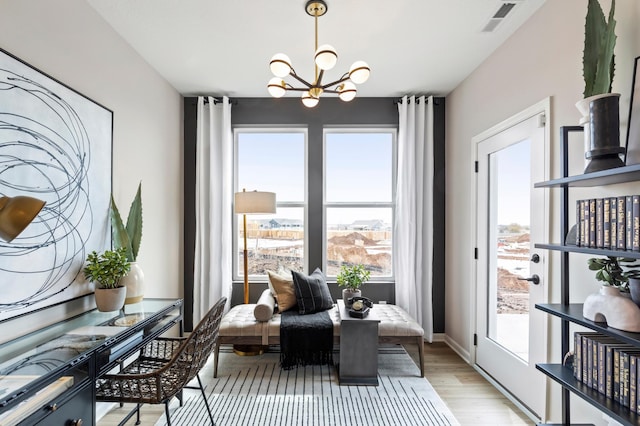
(600, 107)
(129, 238)
(618, 272)
(106, 270)
(352, 278)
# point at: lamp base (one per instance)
(249, 350)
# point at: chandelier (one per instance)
(325, 59)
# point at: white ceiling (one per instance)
(223, 47)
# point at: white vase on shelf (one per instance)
(610, 306)
(134, 282)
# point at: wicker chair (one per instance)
(164, 367)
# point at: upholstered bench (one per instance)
(239, 326)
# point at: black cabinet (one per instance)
(572, 313)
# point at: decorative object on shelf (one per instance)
(611, 271)
(634, 289)
(16, 213)
(600, 107)
(251, 202)
(107, 270)
(352, 278)
(325, 59)
(129, 238)
(632, 155)
(608, 305)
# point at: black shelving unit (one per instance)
(572, 313)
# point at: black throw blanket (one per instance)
(305, 339)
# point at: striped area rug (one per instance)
(256, 391)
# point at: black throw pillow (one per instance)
(312, 292)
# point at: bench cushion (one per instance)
(240, 321)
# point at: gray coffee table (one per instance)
(358, 348)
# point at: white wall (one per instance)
(543, 58)
(68, 40)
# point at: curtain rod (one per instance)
(399, 100)
(217, 101)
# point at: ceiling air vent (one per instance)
(498, 17)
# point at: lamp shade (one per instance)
(359, 72)
(308, 100)
(347, 91)
(276, 87)
(280, 65)
(254, 202)
(16, 213)
(326, 57)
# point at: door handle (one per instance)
(535, 279)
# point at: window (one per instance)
(274, 161)
(359, 200)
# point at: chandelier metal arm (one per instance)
(300, 79)
(344, 78)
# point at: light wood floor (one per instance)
(471, 399)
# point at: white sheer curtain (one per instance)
(214, 191)
(414, 211)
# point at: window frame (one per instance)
(236, 218)
(326, 205)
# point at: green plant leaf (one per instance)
(134, 223)
(119, 232)
(598, 63)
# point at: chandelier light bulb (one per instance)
(280, 65)
(276, 87)
(326, 57)
(308, 100)
(359, 72)
(347, 91)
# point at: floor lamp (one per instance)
(251, 202)
(16, 213)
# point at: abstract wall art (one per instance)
(55, 144)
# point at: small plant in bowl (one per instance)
(106, 270)
(352, 278)
(614, 271)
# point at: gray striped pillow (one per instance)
(312, 292)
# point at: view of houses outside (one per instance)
(278, 244)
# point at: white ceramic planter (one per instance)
(609, 306)
(134, 282)
(347, 294)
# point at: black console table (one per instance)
(47, 377)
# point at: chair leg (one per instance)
(138, 413)
(204, 396)
(421, 352)
(166, 412)
(215, 361)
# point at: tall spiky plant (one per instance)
(128, 237)
(599, 42)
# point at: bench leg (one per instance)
(215, 361)
(421, 351)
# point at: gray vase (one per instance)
(348, 293)
(634, 289)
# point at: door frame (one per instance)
(541, 107)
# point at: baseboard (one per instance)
(462, 353)
(439, 337)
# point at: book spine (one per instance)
(636, 222)
(586, 240)
(614, 222)
(616, 375)
(606, 225)
(594, 363)
(592, 223)
(622, 224)
(602, 346)
(629, 216)
(633, 377)
(609, 372)
(579, 235)
(624, 379)
(577, 356)
(599, 223)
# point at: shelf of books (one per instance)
(564, 376)
(589, 250)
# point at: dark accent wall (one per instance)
(330, 112)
